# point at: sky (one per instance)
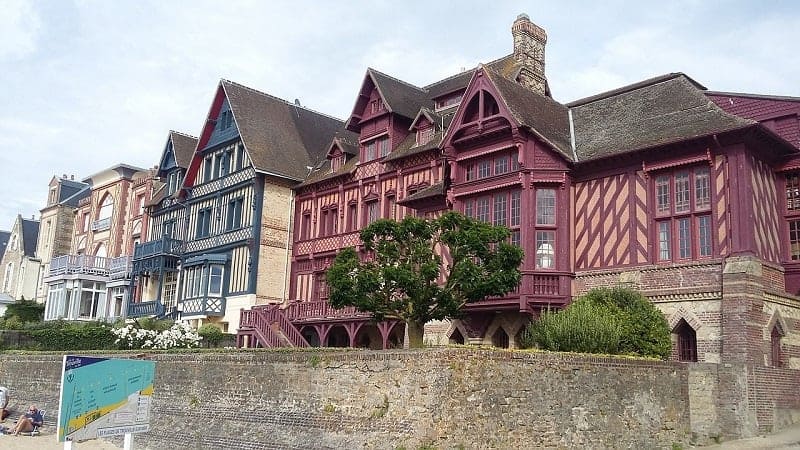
(89, 84)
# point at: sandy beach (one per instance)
(47, 441)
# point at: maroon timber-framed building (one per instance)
(689, 195)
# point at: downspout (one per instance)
(572, 135)
(288, 241)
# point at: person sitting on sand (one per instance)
(26, 423)
(3, 402)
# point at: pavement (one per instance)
(784, 439)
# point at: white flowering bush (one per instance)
(179, 335)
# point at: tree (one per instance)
(404, 275)
(25, 310)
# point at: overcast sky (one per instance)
(89, 84)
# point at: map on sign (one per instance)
(104, 397)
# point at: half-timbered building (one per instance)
(683, 193)
(233, 206)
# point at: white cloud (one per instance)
(19, 28)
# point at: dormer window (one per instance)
(376, 148)
(337, 162)
(424, 135)
(449, 101)
(377, 106)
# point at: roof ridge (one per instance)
(183, 134)
(282, 100)
(398, 80)
(427, 87)
(627, 88)
(761, 96)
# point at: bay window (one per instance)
(683, 214)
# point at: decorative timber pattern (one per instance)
(603, 222)
(204, 306)
(222, 183)
(721, 206)
(765, 211)
(220, 240)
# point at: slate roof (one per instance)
(323, 171)
(30, 235)
(506, 66)
(401, 98)
(281, 138)
(435, 190)
(408, 147)
(540, 114)
(183, 147)
(654, 112)
(77, 196)
(4, 237)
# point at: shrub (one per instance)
(61, 335)
(211, 334)
(645, 331)
(25, 311)
(179, 335)
(581, 327)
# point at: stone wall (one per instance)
(448, 398)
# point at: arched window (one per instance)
(775, 346)
(8, 275)
(13, 245)
(473, 108)
(687, 341)
(490, 107)
(106, 208)
(101, 250)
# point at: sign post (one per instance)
(104, 397)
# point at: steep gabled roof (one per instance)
(281, 138)
(543, 116)
(323, 171)
(650, 113)
(401, 98)
(30, 235)
(506, 66)
(183, 147)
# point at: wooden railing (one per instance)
(257, 321)
(165, 245)
(328, 243)
(321, 310)
(79, 264)
(120, 268)
(142, 309)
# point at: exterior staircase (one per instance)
(268, 327)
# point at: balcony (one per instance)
(158, 255)
(79, 264)
(102, 224)
(328, 243)
(321, 310)
(145, 309)
(120, 268)
(203, 306)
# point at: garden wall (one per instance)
(448, 398)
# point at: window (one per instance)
(208, 168)
(472, 170)
(776, 354)
(169, 228)
(545, 254)
(482, 209)
(424, 135)
(500, 210)
(93, 295)
(448, 101)
(391, 208)
(372, 212)
(13, 245)
(369, 151)
(352, 217)
(383, 146)
(503, 208)
(687, 342)
(215, 280)
(203, 223)
(484, 168)
(234, 216)
(377, 106)
(106, 208)
(7, 277)
(683, 219)
(241, 157)
(84, 226)
(225, 120)
(140, 204)
(305, 226)
(545, 207)
(501, 165)
(329, 221)
(52, 198)
(494, 165)
(793, 192)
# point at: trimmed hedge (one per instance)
(68, 336)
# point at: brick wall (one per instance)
(362, 399)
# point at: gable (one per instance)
(168, 161)
(225, 127)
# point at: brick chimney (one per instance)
(529, 41)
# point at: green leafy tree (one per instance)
(405, 276)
